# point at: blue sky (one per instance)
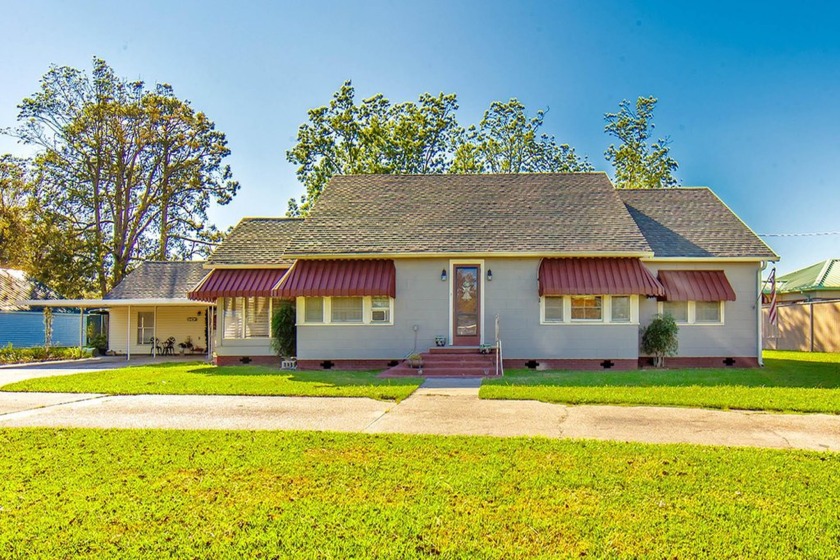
(749, 92)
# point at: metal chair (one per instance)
(169, 346)
(156, 348)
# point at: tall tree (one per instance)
(14, 211)
(507, 141)
(128, 172)
(639, 163)
(373, 136)
(420, 137)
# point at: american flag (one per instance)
(774, 314)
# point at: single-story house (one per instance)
(150, 304)
(808, 310)
(562, 269)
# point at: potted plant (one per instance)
(440, 340)
(414, 360)
(186, 345)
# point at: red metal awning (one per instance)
(228, 282)
(317, 278)
(696, 285)
(595, 276)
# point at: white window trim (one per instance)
(243, 327)
(606, 313)
(367, 315)
(144, 341)
(692, 315)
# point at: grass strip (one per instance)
(153, 494)
(198, 378)
(789, 382)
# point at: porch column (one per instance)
(81, 327)
(209, 319)
(154, 332)
(128, 335)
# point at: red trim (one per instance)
(254, 361)
(594, 276)
(345, 365)
(703, 362)
(696, 285)
(342, 278)
(256, 282)
(573, 364)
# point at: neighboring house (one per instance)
(151, 303)
(22, 325)
(566, 267)
(808, 312)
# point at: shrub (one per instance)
(284, 331)
(11, 355)
(659, 338)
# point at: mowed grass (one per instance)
(198, 378)
(181, 494)
(789, 382)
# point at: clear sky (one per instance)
(749, 93)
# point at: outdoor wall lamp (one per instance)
(443, 275)
(489, 275)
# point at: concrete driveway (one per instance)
(444, 407)
(20, 372)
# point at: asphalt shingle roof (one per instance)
(692, 222)
(16, 286)
(494, 213)
(257, 241)
(156, 279)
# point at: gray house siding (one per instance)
(738, 335)
(423, 300)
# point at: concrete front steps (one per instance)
(449, 361)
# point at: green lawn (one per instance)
(179, 494)
(790, 381)
(201, 379)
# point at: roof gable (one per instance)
(543, 213)
(256, 241)
(159, 280)
(692, 222)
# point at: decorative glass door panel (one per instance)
(466, 305)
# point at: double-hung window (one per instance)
(145, 327)
(357, 310)
(603, 309)
(694, 312)
(587, 308)
(247, 317)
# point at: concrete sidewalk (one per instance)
(440, 406)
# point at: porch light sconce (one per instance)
(489, 275)
(443, 275)
(198, 313)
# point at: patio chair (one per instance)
(169, 346)
(156, 348)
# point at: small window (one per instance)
(587, 308)
(257, 322)
(707, 312)
(380, 309)
(553, 309)
(677, 309)
(313, 310)
(620, 309)
(145, 327)
(346, 310)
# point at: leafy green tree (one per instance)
(127, 173)
(373, 136)
(507, 141)
(14, 211)
(638, 163)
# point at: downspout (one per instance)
(759, 314)
(81, 327)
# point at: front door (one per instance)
(466, 305)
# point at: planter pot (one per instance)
(440, 341)
(415, 363)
